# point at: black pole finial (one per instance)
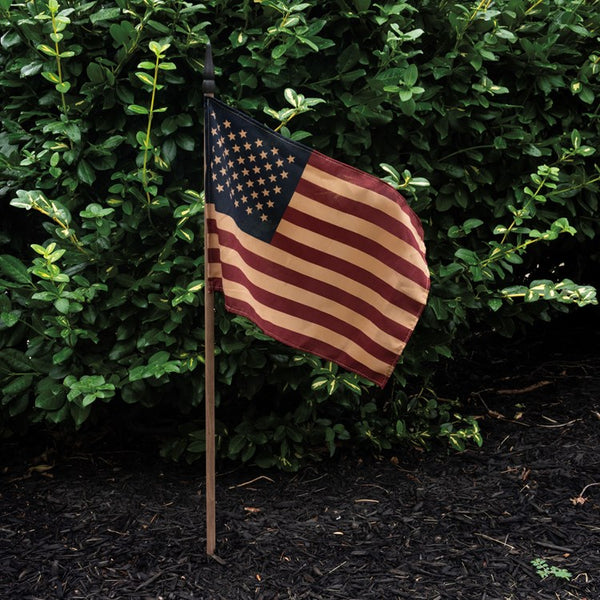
(208, 75)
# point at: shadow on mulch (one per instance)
(424, 526)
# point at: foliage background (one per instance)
(485, 115)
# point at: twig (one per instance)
(525, 390)
(336, 568)
(554, 547)
(558, 425)
(239, 485)
(491, 539)
(586, 487)
(149, 581)
(121, 533)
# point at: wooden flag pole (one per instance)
(208, 89)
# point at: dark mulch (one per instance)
(111, 524)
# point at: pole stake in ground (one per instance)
(208, 88)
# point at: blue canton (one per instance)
(252, 170)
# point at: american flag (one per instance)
(321, 256)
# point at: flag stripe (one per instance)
(296, 339)
(395, 337)
(365, 188)
(355, 264)
(398, 236)
(327, 297)
(298, 288)
(391, 290)
(293, 331)
(339, 325)
(336, 226)
(332, 273)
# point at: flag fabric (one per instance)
(321, 256)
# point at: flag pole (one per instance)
(208, 89)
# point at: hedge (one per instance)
(483, 114)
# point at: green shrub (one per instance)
(483, 114)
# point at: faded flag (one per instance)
(321, 256)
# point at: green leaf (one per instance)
(50, 400)
(291, 96)
(408, 107)
(236, 445)
(62, 305)
(80, 413)
(450, 269)
(187, 235)
(468, 256)
(495, 303)
(195, 286)
(112, 142)
(319, 383)
(121, 33)
(157, 48)
(18, 385)
(505, 34)
(62, 355)
(73, 132)
(95, 73)
(279, 51)
(9, 38)
(144, 78)
(585, 151)
(14, 269)
(248, 452)
(31, 69)
(351, 385)
(471, 224)
(456, 442)
(15, 359)
(159, 357)
(85, 172)
(9, 319)
(411, 74)
(587, 95)
(46, 49)
(186, 142)
(105, 14)
(140, 137)
(138, 110)
(405, 95)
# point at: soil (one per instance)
(103, 522)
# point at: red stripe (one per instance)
(363, 211)
(302, 342)
(359, 242)
(365, 180)
(308, 313)
(311, 284)
(211, 224)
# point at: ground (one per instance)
(110, 523)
